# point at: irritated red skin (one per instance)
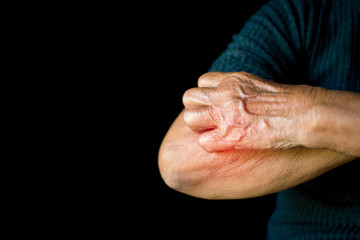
(244, 111)
(236, 137)
(186, 167)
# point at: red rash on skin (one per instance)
(264, 120)
(239, 111)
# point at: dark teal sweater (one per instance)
(314, 42)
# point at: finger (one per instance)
(199, 119)
(211, 79)
(213, 141)
(197, 97)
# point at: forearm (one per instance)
(186, 167)
(335, 122)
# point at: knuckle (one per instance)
(188, 92)
(202, 78)
(211, 78)
(247, 75)
(187, 97)
(231, 80)
(237, 75)
(188, 116)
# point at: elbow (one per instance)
(170, 174)
(187, 168)
(185, 182)
(184, 172)
(196, 177)
(176, 180)
(174, 172)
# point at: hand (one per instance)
(243, 111)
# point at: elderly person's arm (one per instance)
(235, 174)
(216, 153)
(213, 148)
(243, 111)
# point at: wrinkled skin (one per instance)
(223, 145)
(243, 111)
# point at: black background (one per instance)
(111, 83)
(174, 47)
(121, 72)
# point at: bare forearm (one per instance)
(186, 167)
(336, 119)
(243, 136)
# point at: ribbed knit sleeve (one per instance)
(313, 42)
(271, 44)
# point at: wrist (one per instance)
(334, 122)
(319, 121)
(309, 114)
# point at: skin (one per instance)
(235, 174)
(241, 136)
(244, 111)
